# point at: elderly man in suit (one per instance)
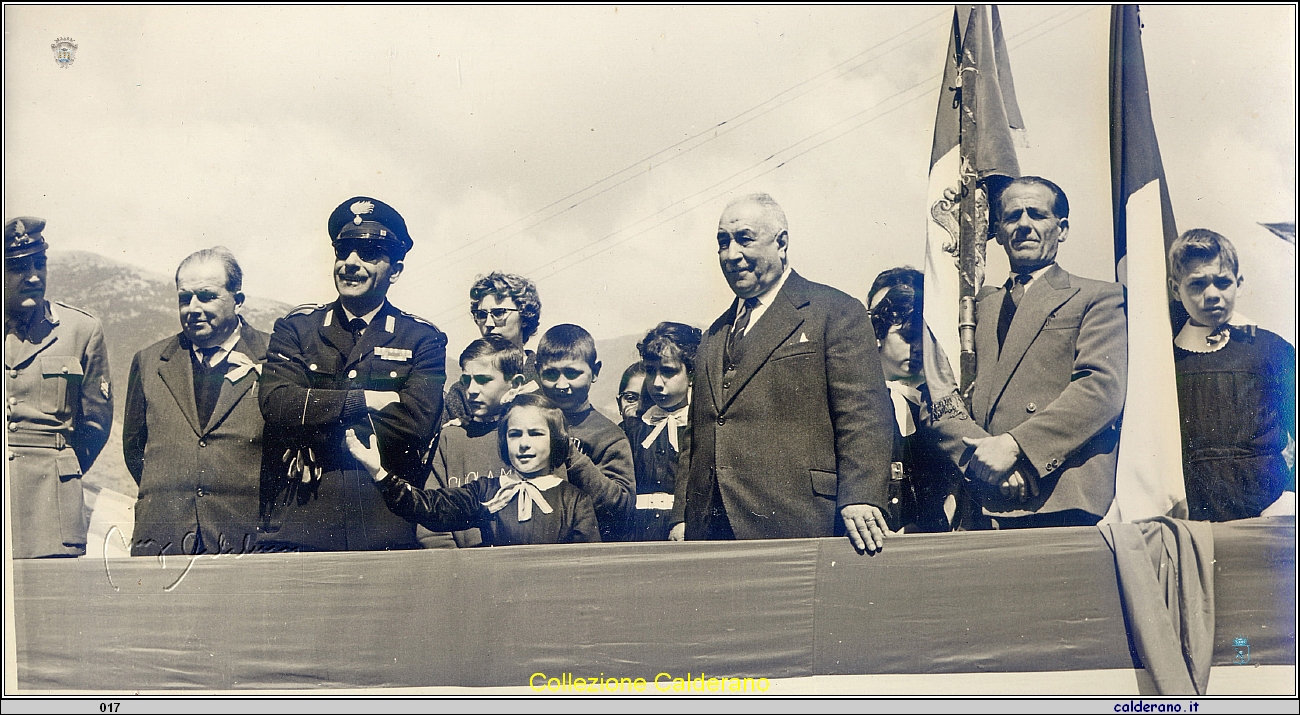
(192, 433)
(1052, 352)
(791, 423)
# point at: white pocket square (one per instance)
(803, 337)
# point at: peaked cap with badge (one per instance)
(364, 218)
(320, 363)
(58, 412)
(23, 237)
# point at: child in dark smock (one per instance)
(566, 368)
(631, 404)
(659, 435)
(529, 506)
(925, 486)
(1236, 391)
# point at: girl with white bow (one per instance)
(659, 435)
(529, 505)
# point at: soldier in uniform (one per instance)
(357, 363)
(59, 407)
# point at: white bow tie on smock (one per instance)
(529, 492)
(240, 365)
(661, 419)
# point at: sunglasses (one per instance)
(498, 314)
(368, 251)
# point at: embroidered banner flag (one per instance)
(972, 155)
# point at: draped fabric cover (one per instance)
(975, 602)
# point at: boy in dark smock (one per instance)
(566, 368)
(1236, 391)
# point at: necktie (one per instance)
(739, 330)
(356, 326)
(1015, 292)
(206, 355)
(207, 383)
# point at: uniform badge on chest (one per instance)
(393, 354)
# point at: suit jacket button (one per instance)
(726, 384)
(352, 374)
(312, 367)
(1031, 408)
(721, 420)
(200, 491)
(202, 443)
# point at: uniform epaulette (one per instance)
(83, 311)
(306, 308)
(417, 318)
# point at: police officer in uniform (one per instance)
(357, 362)
(58, 404)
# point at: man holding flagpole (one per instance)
(1052, 374)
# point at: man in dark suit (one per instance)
(790, 420)
(1052, 352)
(192, 433)
(355, 363)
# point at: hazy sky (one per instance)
(179, 128)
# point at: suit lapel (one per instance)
(27, 350)
(713, 353)
(334, 334)
(773, 327)
(986, 343)
(39, 336)
(178, 375)
(231, 393)
(1040, 301)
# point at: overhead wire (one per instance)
(916, 91)
(705, 136)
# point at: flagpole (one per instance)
(972, 149)
(974, 212)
